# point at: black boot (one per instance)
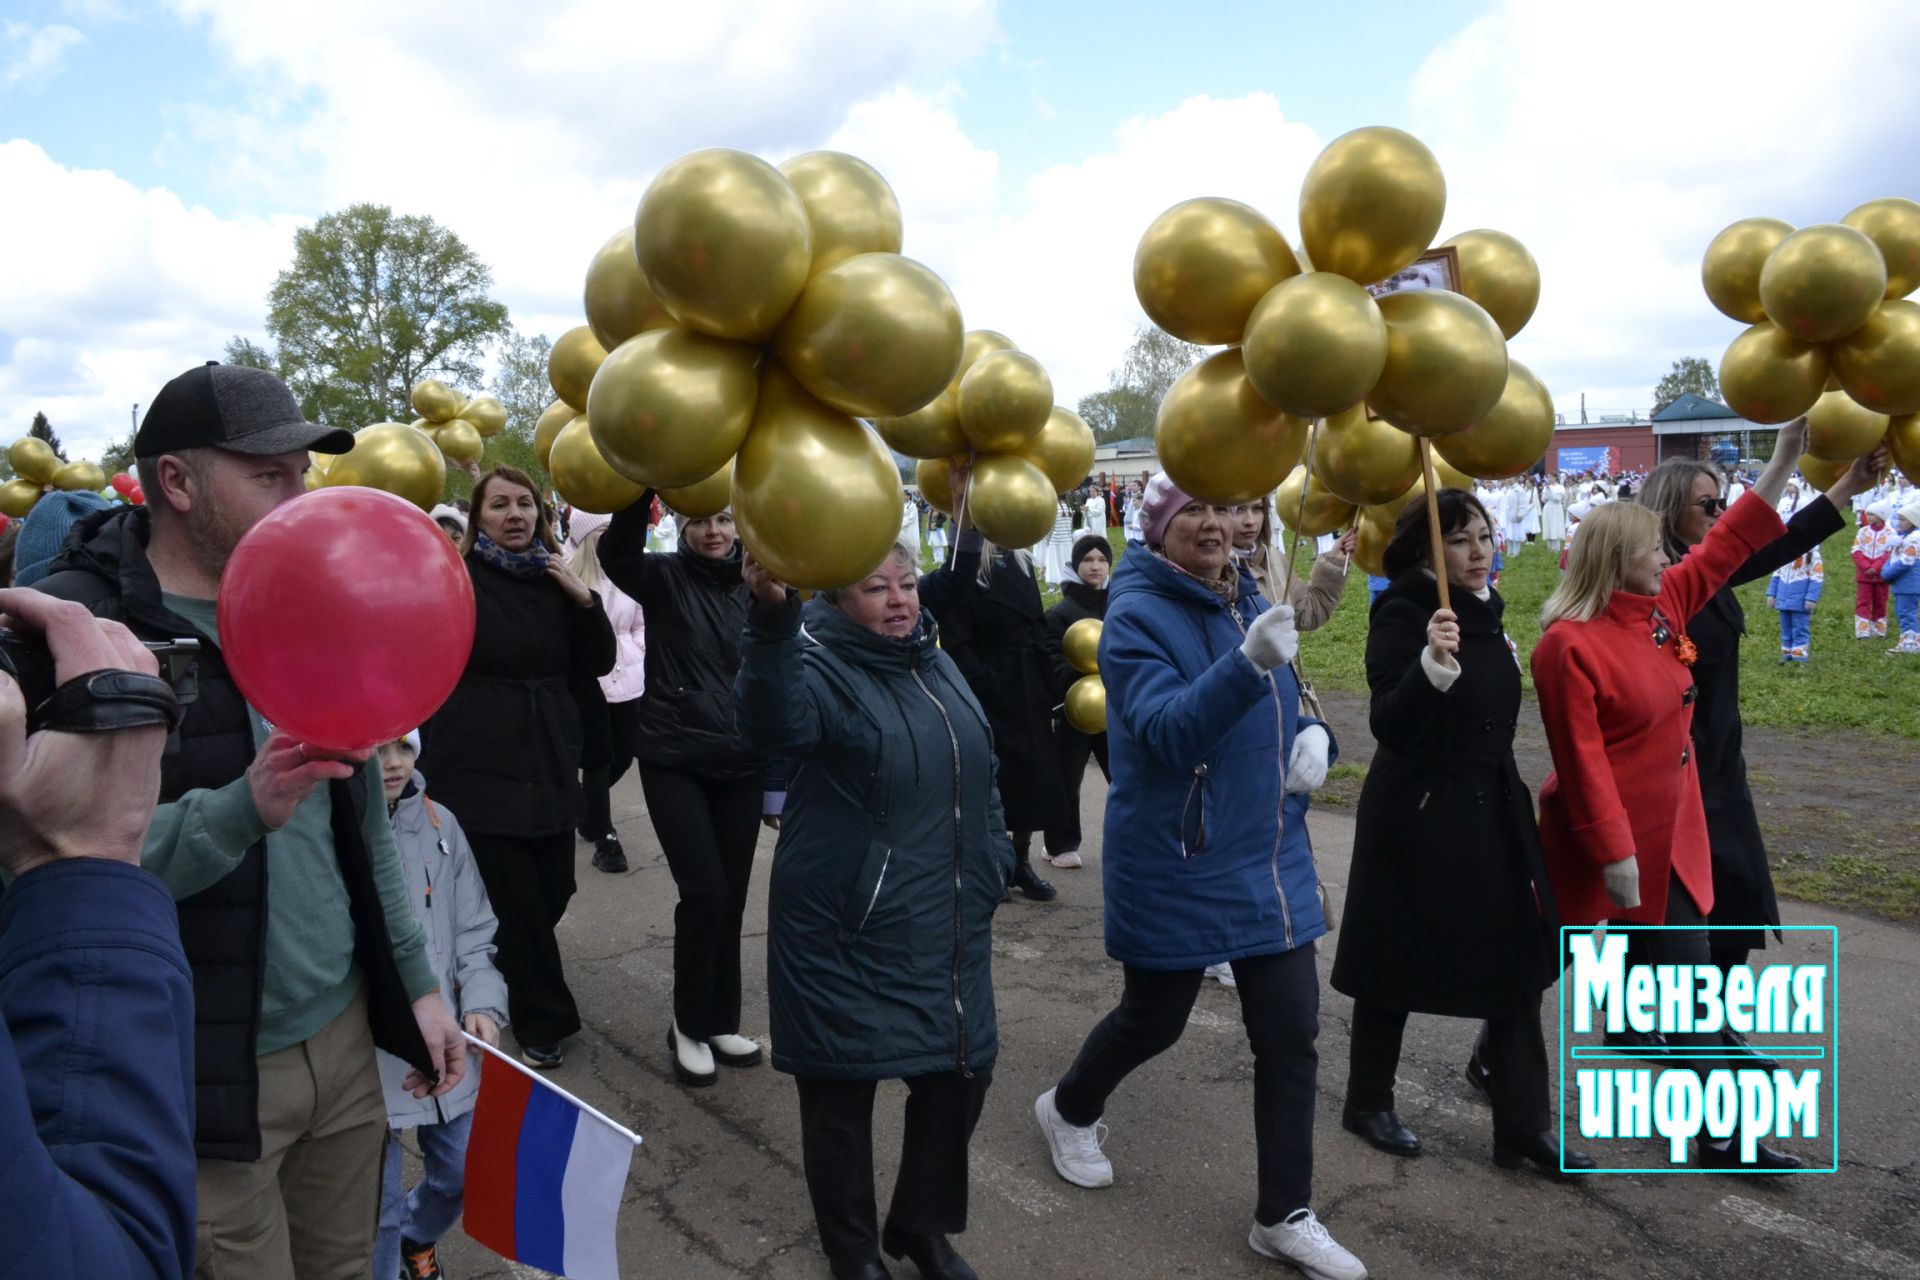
(1543, 1152)
(1765, 1158)
(1028, 881)
(1382, 1130)
(932, 1254)
(608, 856)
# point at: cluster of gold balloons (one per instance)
(1315, 357)
(1830, 333)
(1026, 450)
(1086, 705)
(459, 424)
(410, 460)
(737, 334)
(37, 468)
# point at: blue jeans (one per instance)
(429, 1211)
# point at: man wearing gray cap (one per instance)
(304, 950)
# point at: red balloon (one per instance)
(5, 520)
(123, 483)
(137, 497)
(346, 617)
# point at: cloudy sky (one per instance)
(156, 156)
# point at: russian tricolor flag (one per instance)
(545, 1174)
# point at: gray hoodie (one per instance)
(444, 886)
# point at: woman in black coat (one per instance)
(993, 627)
(1689, 497)
(1448, 909)
(505, 747)
(1083, 595)
(702, 781)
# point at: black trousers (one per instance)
(707, 828)
(529, 880)
(1686, 944)
(605, 757)
(1280, 1005)
(1073, 748)
(1511, 1048)
(930, 1190)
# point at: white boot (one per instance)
(692, 1059)
(735, 1051)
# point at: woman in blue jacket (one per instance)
(1206, 746)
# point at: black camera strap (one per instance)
(105, 701)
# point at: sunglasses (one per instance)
(1712, 506)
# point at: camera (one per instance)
(27, 659)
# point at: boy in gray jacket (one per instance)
(450, 900)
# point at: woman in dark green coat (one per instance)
(891, 860)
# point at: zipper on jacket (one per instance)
(1198, 790)
(1280, 815)
(959, 883)
(885, 862)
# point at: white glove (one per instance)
(1308, 767)
(1623, 882)
(1271, 640)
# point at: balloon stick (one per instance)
(1300, 514)
(1433, 521)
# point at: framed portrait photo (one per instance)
(1437, 268)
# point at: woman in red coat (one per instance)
(1621, 822)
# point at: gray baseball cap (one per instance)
(233, 407)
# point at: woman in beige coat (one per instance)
(1315, 597)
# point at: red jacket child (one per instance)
(1616, 694)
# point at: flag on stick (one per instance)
(545, 1173)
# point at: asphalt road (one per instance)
(717, 1189)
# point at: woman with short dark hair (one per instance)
(1083, 596)
(1448, 910)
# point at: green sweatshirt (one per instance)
(311, 973)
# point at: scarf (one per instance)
(528, 564)
(1227, 586)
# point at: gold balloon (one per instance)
(1219, 439)
(1086, 705)
(977, 343)
(18, 496)
(34, 459)
(427, 425)
(1005, 399)
(703, 498)
(1364, 460)
(1893, 224)
(1822, 282)
(582, 477)
(319, 461)
(1768, 376)
(76, 476)
(553, 419)
(876, 335)
(1879, 363)
(1510, 439)
(1080, 646)
(1010, 500)
(669, 407)
(460, 441)
(316, 478)
(934, 476)
(1840, 429)
(1063, 450)
(400, 459)
(435, 401)
(1730, 269)
(1903, 442)
(1315, 344)
(724, 242)
(1371, 534)
(850, 208)
(571, 364)
(1448, 476)
(1324, 511)
(1371, 203)
(620, 302)
(1497, 272)
(816, 495)
(1446, 363)
(932, 431)
(487, 414)
(1204, 264)
(1820, 473)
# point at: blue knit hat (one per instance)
(44, 530)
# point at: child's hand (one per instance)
(479, 1024)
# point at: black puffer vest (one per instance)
(223, 928)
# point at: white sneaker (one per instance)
(1302, 1241)
(1068, 861)
(1076, 1152)
(1222, 973)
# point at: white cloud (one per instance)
(30, 56)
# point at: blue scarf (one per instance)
(528, 564)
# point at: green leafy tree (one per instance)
(117, 456)
(520, 381)
(372, 303)
(1125, 410)
(43, 430)
(1118, 413)
(1691, 376)
(250, 354)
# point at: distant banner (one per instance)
(1595, 458)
